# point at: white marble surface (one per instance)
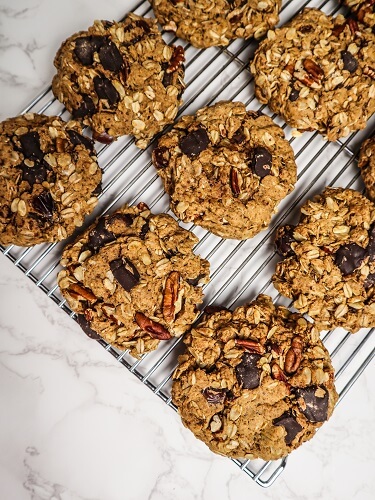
(74, 423)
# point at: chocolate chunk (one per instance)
(160, 157)
(261, 161)
(369, 281)
(290, 424)
(30, 146)
(307, 28)
(194, 142)
(105, 89)
(103, 137)
(350, 62)
(294, 94)
(99, 235)
(125, 219)
(44, 204)
(97, 190)
(167, 79)
(238, 137)
(85, 325)
(194, 281)
(214, 396)
(144, 25)
(284, 240)
(86, 108)
(144, 230)
(214, 309)
(78, 139)
(125, 273)
(34, 175)
(85, 48)
(371, 244)
(349, 257)
(247, 372)
(316, 409)
(110, 57)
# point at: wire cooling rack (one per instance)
(239, 269)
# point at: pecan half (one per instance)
(156, 330)
(353, 25)
(294, 355)
(313, 69)
(170, 295)
(234, 182)
(277, 373)
(365, 9)
(250, 345)
(82, 292)
(177, 59)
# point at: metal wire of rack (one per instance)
(240, 269)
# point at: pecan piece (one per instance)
(277, 373)
(353, 25)
(365, 9)
(142, 206)
(177, 59)
(170, 295)
(234, 182)
(156, 330)
(293, 356)
(80, 291)
(104, 138)
(250, 345)
(313, 69)
(61, 144)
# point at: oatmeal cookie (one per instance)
(366, 163)
(364, 10)
(254, 383)
(120, 78)
(49, 179)
(133, 279)
(226, 169)
(318, 73)
(205, 23)
(329, 260)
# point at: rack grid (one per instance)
(239, 269)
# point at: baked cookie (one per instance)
(255, 383)
(226, 169)
(366, 163)
(318, 73)
(120, 78)
(364, 10)
(133, 279)
(205, 23)
(49, 179)
(329, 260)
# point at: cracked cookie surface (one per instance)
(255, 383)
(364, 10)
(366, 163)
(49, 179)
(120, 78)
(133, 279)
(226, 169)
(318, 73)
(206, 23)
(329, 260)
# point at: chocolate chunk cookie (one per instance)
(318, 73)
(120, 78)
(205, 23)
(255, 383)
(364, 10)
(133, 279)
(329, 260)
(366, 163)
(226, 169)
(49, 179)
